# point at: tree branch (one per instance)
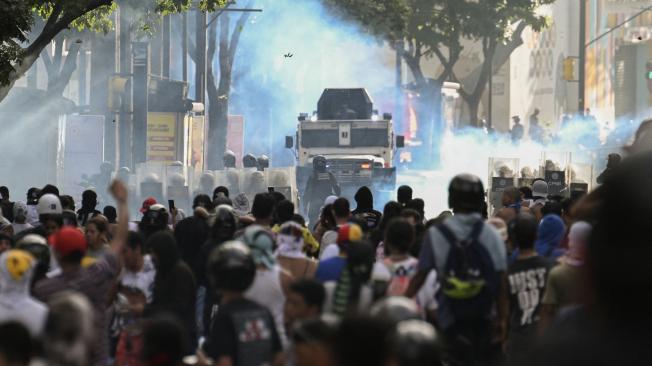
(237, 31)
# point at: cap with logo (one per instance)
(68, 240)
(49, 204)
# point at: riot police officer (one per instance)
(263, 162)
(249, 161)
(321, 184)
(228, 159)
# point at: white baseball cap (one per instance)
(49, 204)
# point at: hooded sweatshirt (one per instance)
(551, 232)
(365, 207)
(16, 271)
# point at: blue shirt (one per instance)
(330, 269)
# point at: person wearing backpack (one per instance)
(470, 259)
(397, 269)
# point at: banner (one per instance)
(161, 137)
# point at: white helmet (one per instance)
(49, 204)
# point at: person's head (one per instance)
(536, 111)
(261, 243)
(15, 344)
(278, 196)
(33, 195)
(69, 245)
(347, 234)
(16, 271)
(220, 191)
(539, 189)
(222, 200)
(89, 199)
(163, 248)
(147, 203)
(364, 198)
(155, 219)
(263, 162)
(241, 205)
(37, 246)
(133, 251)
(263, 208)
(225, 224)
(49, 210)
(229, 159)
(97, 230)
(466, 194)
(327, 219)
(510, 196)
(415, 343)
(5, 242)
(404, 195)
(67, 202)
(523, 231)
(613, 160)
(284, 211)
(110, 213)
(516, 119)
(578, 236)
(341, 210)
(231, 267)
(202, 200)
(249, 161)
(4, 192)
(69, 333)
(164, 341)
(399, 236)
(319, 163)
(314, 341)
(526, 193)
(290, 240)
(412, 216)
(418, 205)
(20, 212)
(390, 210)
(50, 189)
(552, 208)
(550, 234)
(304, 301)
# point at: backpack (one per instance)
(401, 276)
(469, 281)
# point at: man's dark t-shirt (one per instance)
(527, 284)
(245, 332)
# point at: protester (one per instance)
(472, 291)
(16, 304)
(271, 282)
(527, 277)
(69, 247)
(391, 210)
(243, 332)
(314, 342)
(550, 235)
(330, 269)
(305, 301)
(404, 195)
(342, 213)
(16, 344)
(511, 201)
(6, 205)
(174, 290)
(290, 253)
(365, 208)
(97, 236)
(87, 211)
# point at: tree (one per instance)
(17, 17)
(420, 29)
(218, 87)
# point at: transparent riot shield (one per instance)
(502, 174)
(284, 180)
(556, 171)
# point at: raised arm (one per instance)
(119, 192)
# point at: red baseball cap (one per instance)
(147, 203)
(68, 240)
(348, 233)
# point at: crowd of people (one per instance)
(539, 280)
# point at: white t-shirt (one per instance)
(425, 298)
(331, 250)
(143, 280)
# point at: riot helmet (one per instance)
(263, 162)
(466, 193)
(231, 267)
(229, 159)
(249, 161)
(319, 163)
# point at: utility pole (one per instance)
(165, 72)
(200, 48)
(582, 58)
(184, 46)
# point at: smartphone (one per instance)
(270, 189)
(171, 204)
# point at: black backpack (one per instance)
(469, 281)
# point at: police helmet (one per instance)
(263, 162)
(249, 161)
(229, 159)
(319, 162)
(231, 267)
(466, 193)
